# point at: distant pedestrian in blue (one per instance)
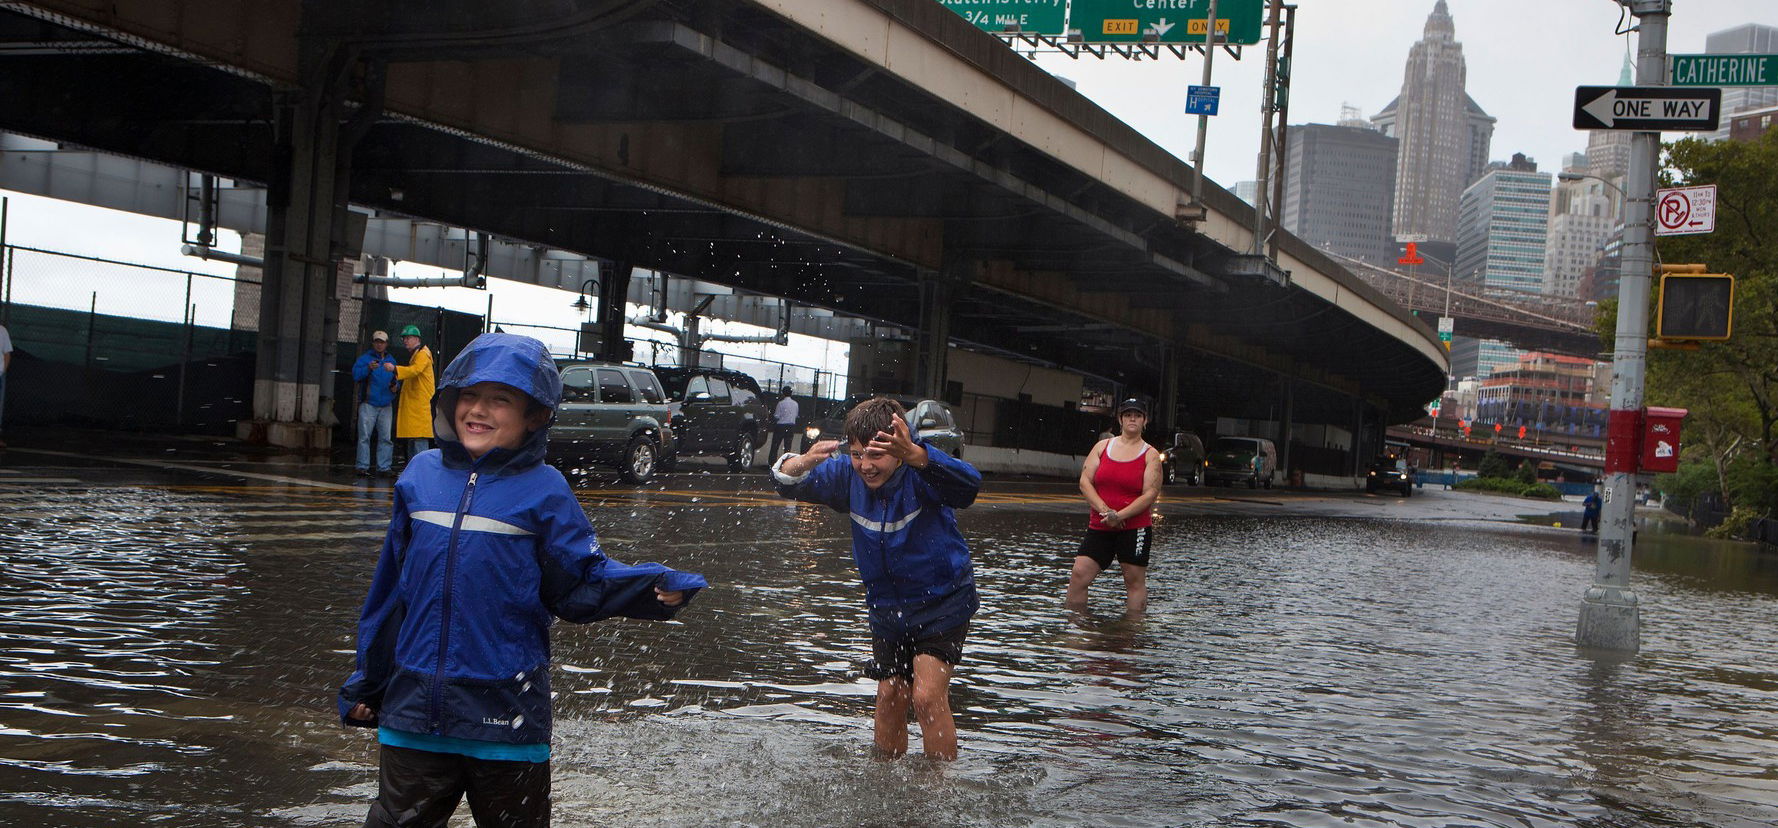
(486, 544)
(376, 405)
(1589, 512)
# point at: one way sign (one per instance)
(1648, 108)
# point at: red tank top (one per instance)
(1119, 483)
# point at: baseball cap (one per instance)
(379, 336)
(1132, 404)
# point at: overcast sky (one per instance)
(1525, 57)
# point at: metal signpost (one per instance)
(1685, 211)
(1647, 108)
(1041, 16)
(1171, 21)
(1724, 70)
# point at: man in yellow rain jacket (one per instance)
(413, 416)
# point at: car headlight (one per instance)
(812, 433)
(1373, 474)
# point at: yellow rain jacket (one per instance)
(413, 417)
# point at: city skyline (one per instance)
(1353, 52)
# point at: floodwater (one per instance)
(169, 654)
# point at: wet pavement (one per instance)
(174, 621)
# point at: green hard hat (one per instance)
(411, 330)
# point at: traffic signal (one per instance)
(1694, 305)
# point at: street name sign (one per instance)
(1165, 21)
(1037, 16)
(1724, 70)
(1685, 211)
(1647, 108)
(1202, 100)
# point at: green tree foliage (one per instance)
(1527, 473)
(1493, 465)
(1730, 388)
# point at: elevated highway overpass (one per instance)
(878, 159)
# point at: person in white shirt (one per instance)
(5, 365)
(784, 422)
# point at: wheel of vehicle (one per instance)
(1168, 475)
(1407, 491)
(1269, 481)
(1252, 482)
(740, 454)
(639, 459)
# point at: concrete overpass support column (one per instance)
(1286, 425)
(938, 289)
(614, 296)
(299, 300)
(1167, 412)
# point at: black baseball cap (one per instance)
(1131, 404)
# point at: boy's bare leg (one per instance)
(1085, 570)
(892, 715)
(1135, 589)
(932, 705)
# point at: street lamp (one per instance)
(580, 302)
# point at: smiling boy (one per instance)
(919, 584)
(485, 545)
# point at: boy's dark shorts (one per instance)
(935, 628)
(1126, 545)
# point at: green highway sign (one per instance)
(1034, 16)
(1724, 70)
(1165, 21)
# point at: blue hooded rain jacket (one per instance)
(905, 539)
(453, 639)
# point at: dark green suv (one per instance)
(715, 411)
(613, 415)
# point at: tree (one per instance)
(1527, 473)
(1730, 388)
(1493, 465)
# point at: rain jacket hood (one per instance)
(519, 361)
(453, 639)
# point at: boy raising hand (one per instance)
(919, 585)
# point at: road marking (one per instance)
(162, 464)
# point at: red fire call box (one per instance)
(1660, 439)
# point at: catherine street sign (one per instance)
(1035, 16)
(1647, 108)
(1165, 21)
(1724, 70)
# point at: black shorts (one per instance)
(1127, 545)
(935, 627)
(892, 656)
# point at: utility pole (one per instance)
(1610, 617)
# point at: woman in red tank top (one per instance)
(1120, 480)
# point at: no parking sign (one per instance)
(1684, 211)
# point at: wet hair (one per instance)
(871, 416)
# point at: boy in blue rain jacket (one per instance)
(918, 582)
(485, 544)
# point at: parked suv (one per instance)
(1234, 459)
(1184, 460)
(929, 420)
(715, 411)
(616, 415)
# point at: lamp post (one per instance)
(582, 305)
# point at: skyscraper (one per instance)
(1583, 214)
(1339, 183)
(1444, 135)
(1502, 228)
(1745, 39)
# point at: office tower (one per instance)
(1444, 136)
(1339, 184)
(1502, 233)
(1745, 39)
(1583, 214)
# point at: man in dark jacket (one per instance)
(485, 545)
(375, 374)
(918, 581)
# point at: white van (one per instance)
(1234, 459)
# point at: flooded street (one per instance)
(173, 641)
